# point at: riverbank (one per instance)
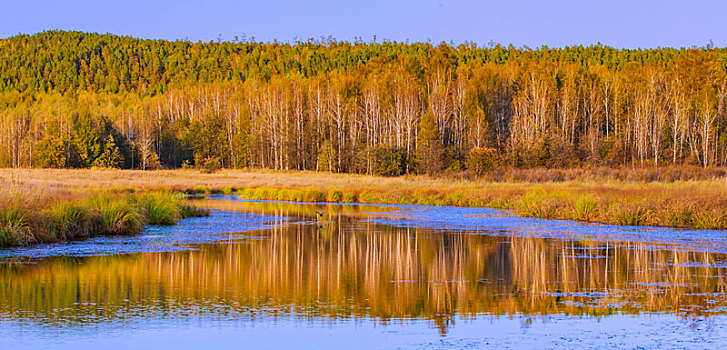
(28, 218)
(676, 197)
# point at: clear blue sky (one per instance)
(618, 23)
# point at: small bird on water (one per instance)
(320, 215)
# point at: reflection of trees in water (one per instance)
(632, 276)
(361, 269)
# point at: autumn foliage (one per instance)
(79, 100)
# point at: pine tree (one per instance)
(326, 157)
(111, 156)
(50, 153)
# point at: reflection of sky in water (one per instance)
(649, 331)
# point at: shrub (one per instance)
(482, 160)
(210, 165)
(388, 161)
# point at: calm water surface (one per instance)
(260, 275)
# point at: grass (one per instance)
(68, 221)
(14, 227)
(680, 197)
(59, 216)
(161, 208)
(116, 216)
(688, 205)
(584, 209)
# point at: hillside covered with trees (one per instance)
(72, 99)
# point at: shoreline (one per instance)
(695, 204)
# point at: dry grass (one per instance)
(587, 195)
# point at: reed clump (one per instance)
(584, 209)
(82, 217)
(114, 215)
(14, 227)
(66, 221)
(191, 211)
(160, 208)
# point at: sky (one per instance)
(617, 23)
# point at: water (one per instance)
(281, 275)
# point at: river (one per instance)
(270, 275)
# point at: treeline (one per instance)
(70, 99)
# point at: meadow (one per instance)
(677, 197)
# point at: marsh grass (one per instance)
(631, 204)
(533, 204)
(675, 196)
(707, 220)
(584, 208)
(14, 227)
(68, 221)
(62, 217)
(632, 216)
(115, 216)
(349, 197)
(160, 208)
(191, 211)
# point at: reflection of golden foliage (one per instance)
(359, 269)
(289, 208)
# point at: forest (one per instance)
(82, 100)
